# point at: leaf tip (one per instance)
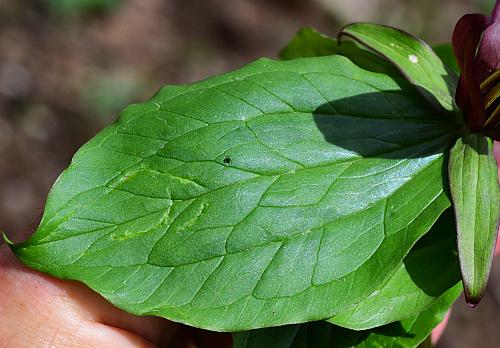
(472, 297)
(14, 247)
(6, 239)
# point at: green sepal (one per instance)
(473, 177)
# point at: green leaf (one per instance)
(283, 192)
(475, 191)
(413, 57)
(310, 43)
(429, 270)
(446, 54)
(407, 333)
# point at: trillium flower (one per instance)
(476, 43)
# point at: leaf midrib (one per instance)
(39, 242)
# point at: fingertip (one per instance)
(438, 330)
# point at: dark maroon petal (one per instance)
(462, 96)
(488, 56)
(466, 37)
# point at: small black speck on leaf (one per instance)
(226, 160)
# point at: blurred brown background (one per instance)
(68, 66)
